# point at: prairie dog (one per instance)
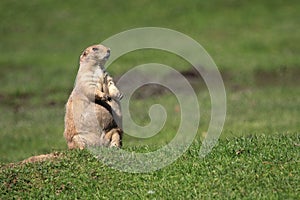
(107, 85)
(89, 119)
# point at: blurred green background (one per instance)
(255, 44)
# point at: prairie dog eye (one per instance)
(95, 49)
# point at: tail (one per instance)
(42, 158)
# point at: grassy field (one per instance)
(254, 167)
(255, 44)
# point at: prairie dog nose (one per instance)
(108, 50)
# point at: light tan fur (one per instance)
(41, 158)
(93, 104)
(107, 85)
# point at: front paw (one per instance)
(118, 96)
(105, 98)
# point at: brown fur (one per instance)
(41, 158)
(89, 119)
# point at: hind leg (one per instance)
(115, 137)
(77, 142)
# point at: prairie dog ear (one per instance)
(83, 55)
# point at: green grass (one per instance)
(237, 34)
(253, 167)
(255, 46)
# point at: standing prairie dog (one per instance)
(93, 104)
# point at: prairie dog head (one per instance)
(95, 55)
